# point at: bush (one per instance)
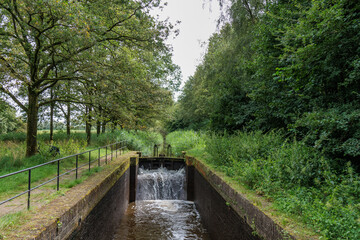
(13, 136)
(335, 131)
(297, 178)
(185, 140)
(140, 140)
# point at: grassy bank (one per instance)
(299, 181)
(12, 146)
(12, 151)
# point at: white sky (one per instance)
(198, 22)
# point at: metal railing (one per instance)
(115, 147)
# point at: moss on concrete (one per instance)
(231, 189)
(60, 217)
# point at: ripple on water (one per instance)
(161, 220)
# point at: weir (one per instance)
(185, 200)
(160, 210)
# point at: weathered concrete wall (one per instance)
(134, 167)
(105, 192)
(104, 219)
(170, 163)
(226, 213)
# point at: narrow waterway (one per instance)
(160, 211)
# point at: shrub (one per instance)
(299, 179)
(185, 140)
(335, 131)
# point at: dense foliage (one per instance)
(8, 120)
(298, 180)
(291, 65)
(103, 61)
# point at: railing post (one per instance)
(106, 155)
(118, 146)
(58, 176)
(169, 150)
(29, 190)
(89, 160)
(99, 158)
(77, 166)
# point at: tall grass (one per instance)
(12, 146)
(140, 140)
(299, 180)
(185, 141)
(12, 152)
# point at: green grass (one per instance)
(10, 220)
(299, 180)
(186, 141)
(19, 182)
(12, 155)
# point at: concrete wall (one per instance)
(93, 209)
(226, 213)
(104, 219)
(102, 195)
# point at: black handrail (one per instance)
(118, 146)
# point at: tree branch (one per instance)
(12, 96)
(12, 70)
(63, 100)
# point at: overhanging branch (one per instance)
(12, 96)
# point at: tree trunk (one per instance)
(88, 126)
(164, 144)
(32, 120)
(98, 122)
(113, 126)
(98, 127)
(68, 118)
(52, 105)
(103, 127)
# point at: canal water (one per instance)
(160, 211)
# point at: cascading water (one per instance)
(161, 184)
(160, 212)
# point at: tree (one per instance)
(289, 65)
(39, 37)
(8, 120)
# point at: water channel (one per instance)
(160, 211)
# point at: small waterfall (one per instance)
(161, 184)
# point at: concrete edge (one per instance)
(261, 223)
(58, 219)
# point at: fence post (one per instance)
(89, 160)
(77, 166)
(106, 155)
(29, 190)
(99, 158)
(58, 176)
(169, 150)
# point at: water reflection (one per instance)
(161, 220)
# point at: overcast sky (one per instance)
(198, 22)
